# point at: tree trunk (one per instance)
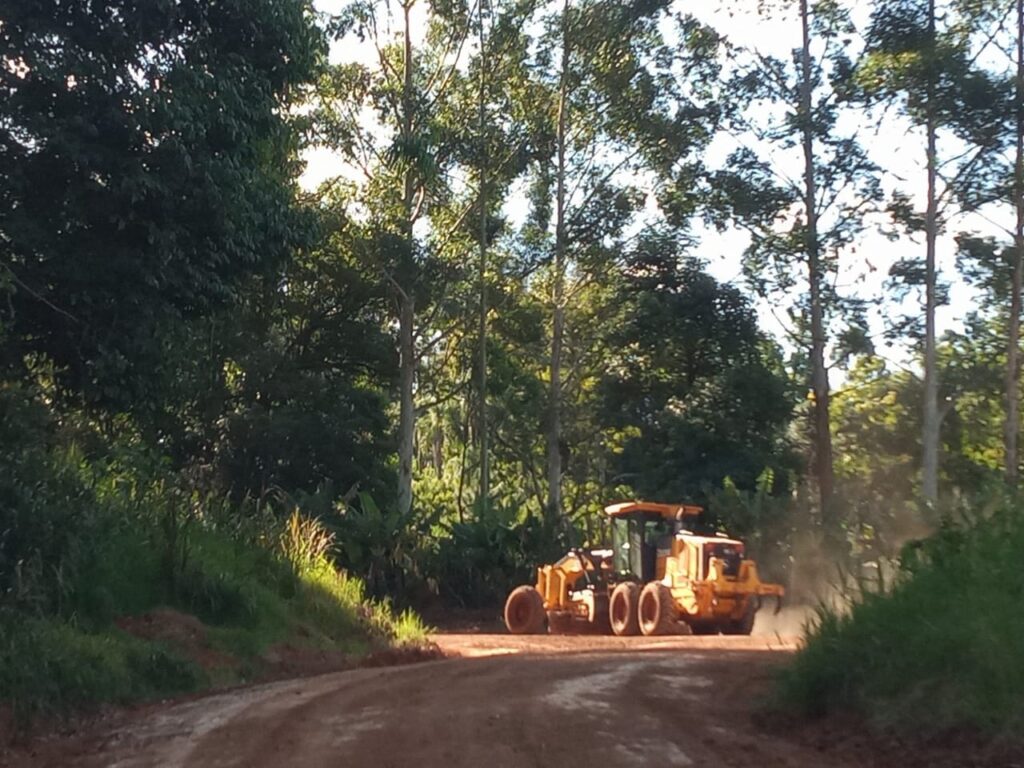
(930, 431)
(554, 436)
(485, 468)
(407, 405)
(1011, 429)
(406, 303)
(819, 373)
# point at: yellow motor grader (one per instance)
(657, 578)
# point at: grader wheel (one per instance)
(524, 611)
(657, 610)
(623, 609)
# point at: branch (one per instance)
(39, 297)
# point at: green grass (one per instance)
(941, 649)
(251, 592)
(48, 665)
(96, 534)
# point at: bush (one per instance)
(479, 561)
(49, 666)
(87, 538)
(48, 513)
(938, 649)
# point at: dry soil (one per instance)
(498, 701)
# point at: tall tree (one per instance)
(1011, 427)
(839, 186)
(401, 161)
(482, 234)
(819, 373)
(991, 263)
(554, 426)
(930, 421)
(617, 112)
(942, 91)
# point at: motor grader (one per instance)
(657, 578)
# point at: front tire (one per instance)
(657, 610)
(524, 611)
(623, 609)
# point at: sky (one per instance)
(897, 148)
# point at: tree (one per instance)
(305, 366)
(933, 75)
(879, 428)
(147, 172)
(838, 188)
(617, 112)
(402, 162)
(1011, 429)
(994, 266)
(696, 392)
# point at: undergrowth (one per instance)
(92, 545)
(249, 598)
(937, 650)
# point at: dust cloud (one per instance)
(791, 621)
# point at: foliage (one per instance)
(48, 512)
(49, 666)
(266, 407)
(761, 518)
(97, 540)
(301, 370)
(380, 544)
(935, 650)
(694, 380)
(479, 561)
(877, 424)
(146, 172)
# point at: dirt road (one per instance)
(500, 701)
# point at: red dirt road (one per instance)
(501, 701)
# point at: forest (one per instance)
(316, 314)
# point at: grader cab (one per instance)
(657, 578)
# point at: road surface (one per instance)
(497, 702)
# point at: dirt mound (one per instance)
(180, 632)
(164, 624)
(411, 654)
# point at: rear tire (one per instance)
(623, 609)
(657, 610)
(524, 611)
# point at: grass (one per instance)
(251, 591)
(939, 650)
(50, 666)
(120, 581)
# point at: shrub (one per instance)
(48, 513)
(479, 561)
(49, 666)
(937, 649)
